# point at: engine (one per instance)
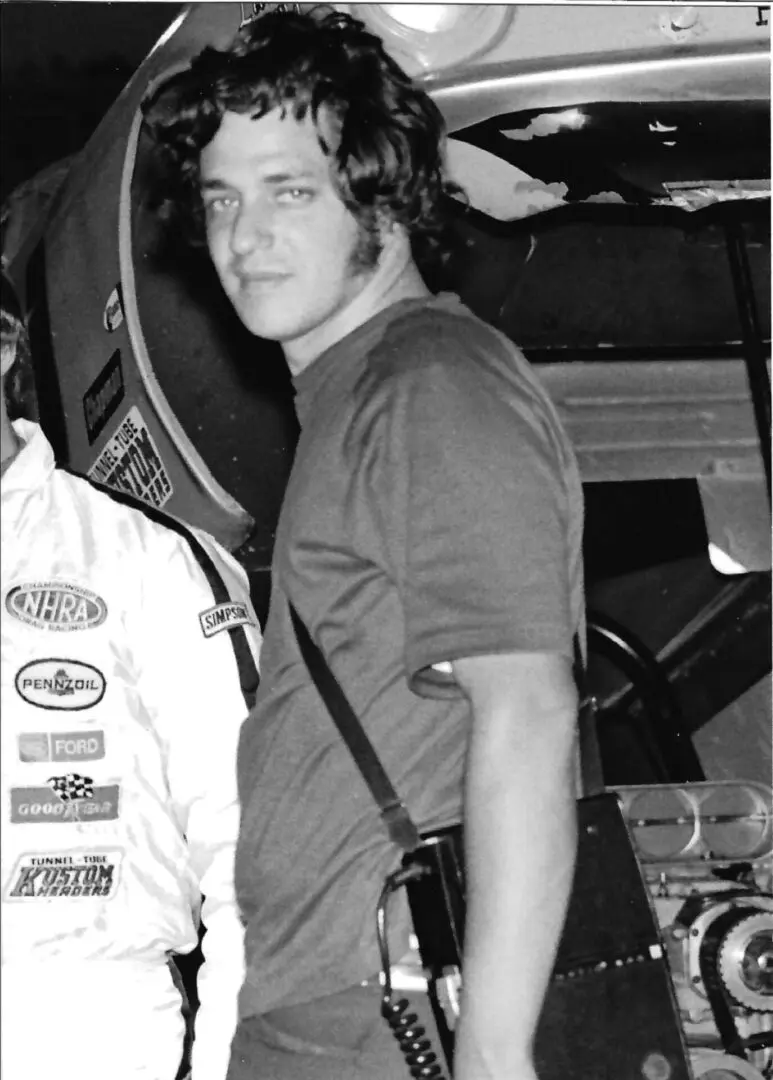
(705, 852)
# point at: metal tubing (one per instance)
(754, 350)
(666, 737)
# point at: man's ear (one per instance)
(392, 235)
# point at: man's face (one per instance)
(288, 252)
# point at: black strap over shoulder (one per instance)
(399, 824)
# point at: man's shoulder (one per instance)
(441, 328)
(441, 343)
(120, 521)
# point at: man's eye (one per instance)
(295, 195)
(219, 204)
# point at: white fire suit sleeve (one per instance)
(200, 672)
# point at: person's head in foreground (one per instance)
(15, 368)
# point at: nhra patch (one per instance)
(224, 617)
(61, 746)
(56, 605)
(103, 397)
(57, 683)
(69, 800)
(75, 875)
(130, 462)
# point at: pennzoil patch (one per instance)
(86, 874)
(55, 605)
(225, 617)
(59, 683)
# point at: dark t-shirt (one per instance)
(434, 511)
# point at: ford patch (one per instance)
(86, 745)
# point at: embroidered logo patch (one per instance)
(56, 605)
(62, 746)
(112, 316)
(103, 397)
(224, 617)
(57, 683)
(130, 461)
(73, 875)
(78, 803)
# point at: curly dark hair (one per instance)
(19, 382)
(388, 161)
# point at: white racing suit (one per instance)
(129, 657)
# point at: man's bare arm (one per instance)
(520, 837)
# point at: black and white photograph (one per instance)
(386, 541)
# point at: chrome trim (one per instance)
(716, 73)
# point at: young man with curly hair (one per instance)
(430, 539)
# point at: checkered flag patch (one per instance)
(72, 787)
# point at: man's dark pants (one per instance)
(341, 1037)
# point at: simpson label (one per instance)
(224, 617)
(131, 462)
(42, 806)
(56, 605)
(112, 316)
(61, 746)
(103, 396)
(58, 683)
(73, 875)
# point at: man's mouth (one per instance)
(262, 277)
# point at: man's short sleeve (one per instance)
(479, 505)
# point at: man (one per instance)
(430, 540)
(129, 653)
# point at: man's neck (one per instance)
(396, 280)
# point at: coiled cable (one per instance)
(411, 1036)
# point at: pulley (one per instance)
(745, 961)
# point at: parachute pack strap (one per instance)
(402, 831)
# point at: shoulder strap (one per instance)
(400, 826)
(249, 676)
(398, 821)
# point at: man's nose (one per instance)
(252, 230)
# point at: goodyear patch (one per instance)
(61, 746)
(87, 874)
(56, 605)
(42, 806)
(58, 683)
(224, 617)
(103, 397)
(130, 462)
